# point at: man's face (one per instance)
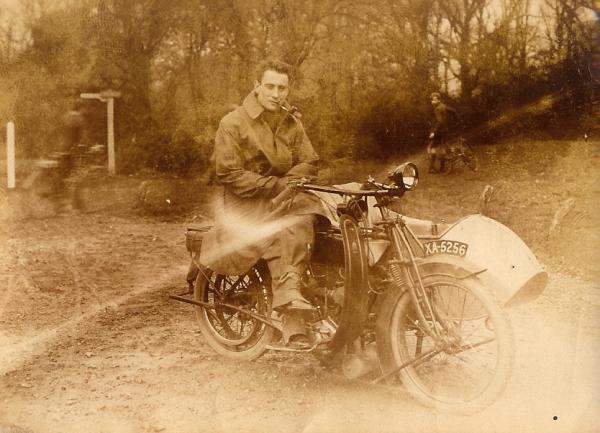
(272, 90)
(435, 100)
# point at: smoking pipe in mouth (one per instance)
(293, 110)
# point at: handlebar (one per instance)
(380, 189)
(403, 178)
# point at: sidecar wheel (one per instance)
(230, 332)
(465, 375)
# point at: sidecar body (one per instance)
(475, 244)
(490, 248)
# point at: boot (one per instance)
(294, 329)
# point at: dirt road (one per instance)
(89, 341)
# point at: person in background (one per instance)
(71, 148)
(443, 119)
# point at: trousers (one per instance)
(287, 258)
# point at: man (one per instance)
(259, 148)
(73, 128)
(70, 148)
(441, 125)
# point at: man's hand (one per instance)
(281, 198)
(431, 135)
(280, 185)
(291, 179)
(285, 182)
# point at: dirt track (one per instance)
(89, 341)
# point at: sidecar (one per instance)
(473, 245)
(492, 250)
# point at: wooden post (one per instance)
(10, 155)
(108, 96)
(110, 115)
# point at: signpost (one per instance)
(107, 96)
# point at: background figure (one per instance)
(70, 153)
(72, 129)
(443, 119)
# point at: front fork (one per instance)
(405, 270)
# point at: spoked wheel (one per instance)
(448, 165)
(470, 159)
(468, 366)
(228, 331)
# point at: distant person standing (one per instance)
(444, 118)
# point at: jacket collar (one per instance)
(252, 106)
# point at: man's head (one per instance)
(435, 98)
(272, 84)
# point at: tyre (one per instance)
(469, 367)
(470, 159)
(447, 166)
(41, 195)
(228, 331)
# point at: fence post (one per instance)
(10, 155)
(110, 116)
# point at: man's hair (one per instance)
(436, 95)
(274, 65)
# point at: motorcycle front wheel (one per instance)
(228, 331)
(464, 370)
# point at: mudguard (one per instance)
(193, 243)
(356, 286)
(504, 256)
(445, 264)
(464, 269)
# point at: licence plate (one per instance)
(446, 247)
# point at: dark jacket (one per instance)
(444, 118)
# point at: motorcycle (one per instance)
(397, 300)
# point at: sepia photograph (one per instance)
(299, 216)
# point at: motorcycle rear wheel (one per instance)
(473, 371)
(230, 332)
